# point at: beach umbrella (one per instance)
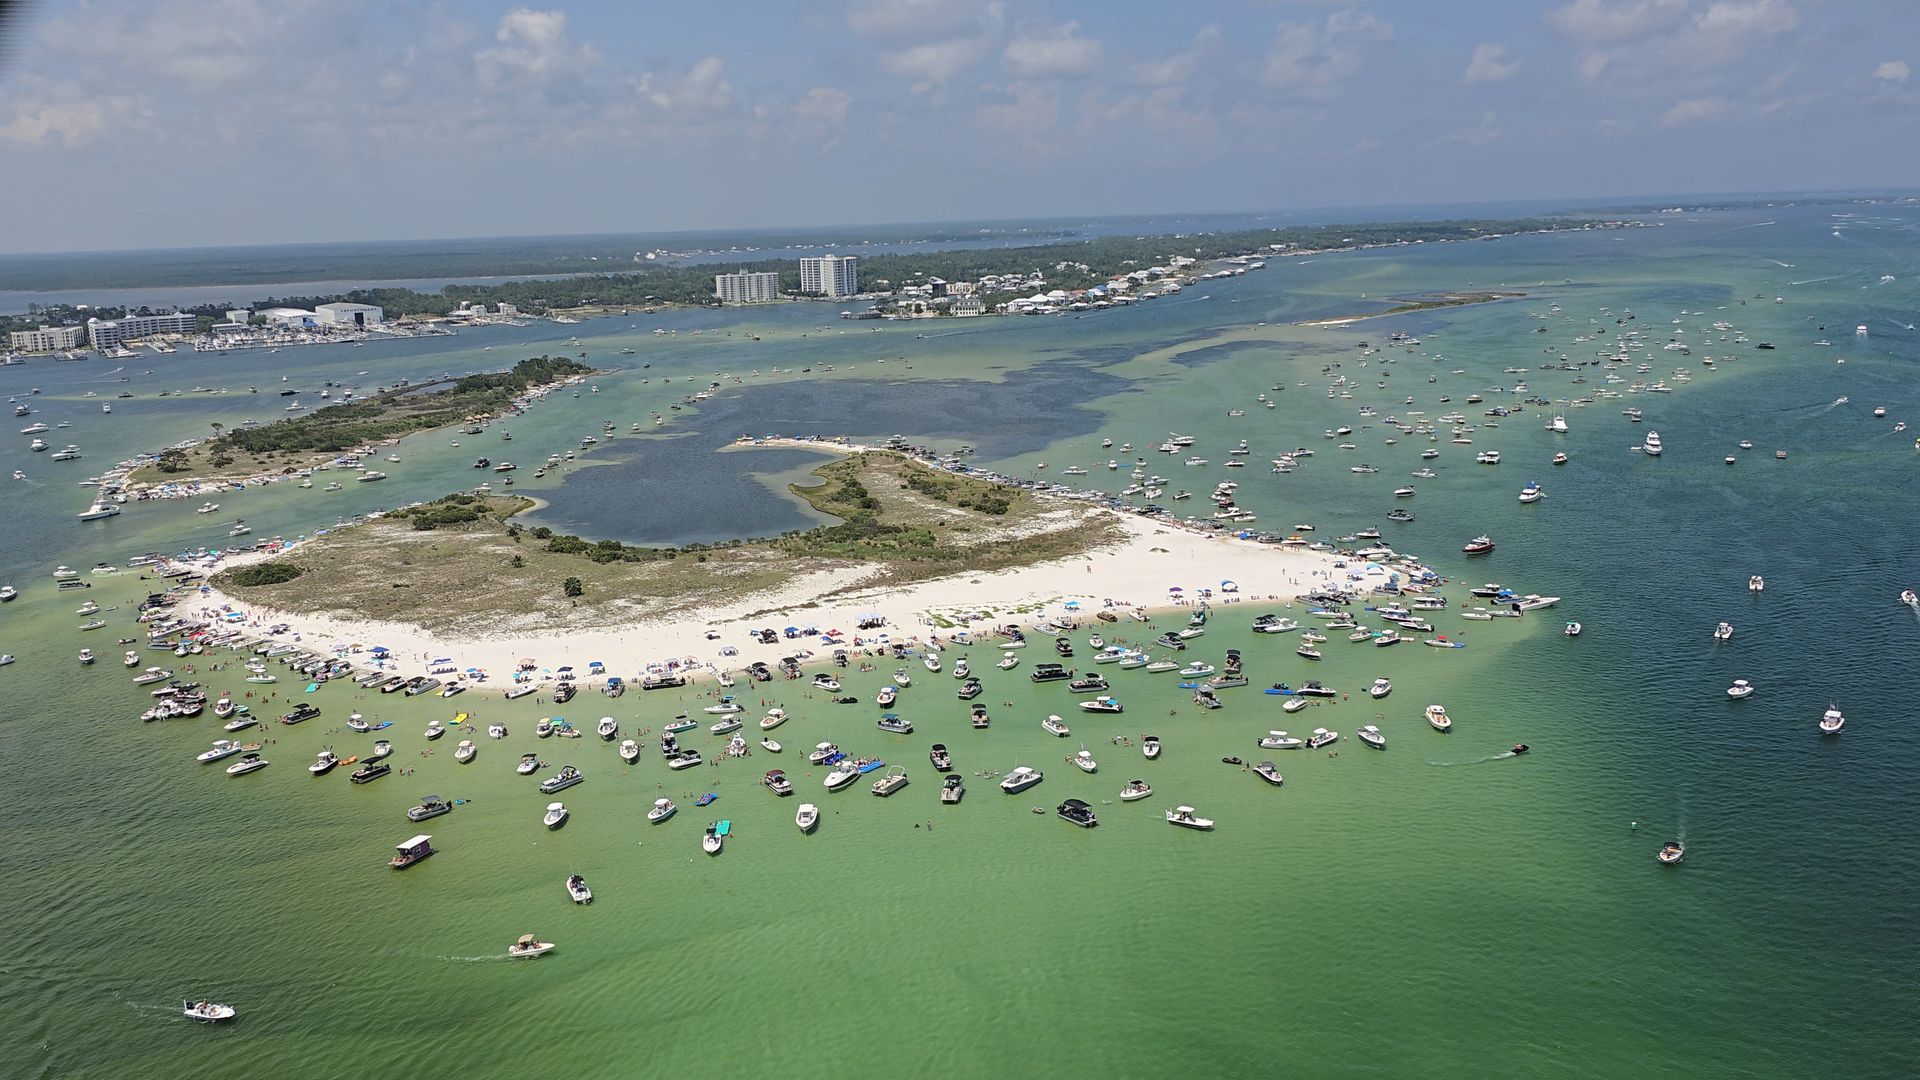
(1073, 605)
(1175, 588)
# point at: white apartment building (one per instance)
(830, 275)
(47, 339)
(110, 333)
(747, 287)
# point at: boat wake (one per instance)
(1817, 280)
(487, 959)
(1502, 756)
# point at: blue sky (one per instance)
(188, 122)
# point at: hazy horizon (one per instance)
(177, 124)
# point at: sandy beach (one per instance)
(1155, 567)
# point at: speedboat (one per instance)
(465, 752)
(826, 682)
(1381, 688)
(1020, 779)
(1438, 718)
(806, 817)
(1370, 735)
(435, 729)
(886, 696)
(577, 889)
(1280, 740)
(528, 764)
(1269, 772)
(844, 773)
(1479, 545)
(207, 1012)
(1671, 852)
(555, 816)
(716, 836)
(1740, 688)
(1135, 790)
(1101, 704)
(323, 763)
(1084, 761)
(528, 945)
(1184, 817)
(86, 656)
(662, 810)
(1322, 737)
(247, 764)
(1830, 722)
(727, 726)
(726, 706)
(1150, 746)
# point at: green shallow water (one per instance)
(1435, 909)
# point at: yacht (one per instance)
(1438, 718)
(1135, 790)
(806, 817)
(1832, 721)
(1532, 492)
(1370, 735)
(1653, 447)
(99, 510)
(662, 810)
(555, 816)
(1479, 545)
(1020, 779)
(1184, 817)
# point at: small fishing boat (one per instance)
(662, 810)
(1370, 735)
(769, 745)
(465, 752)
(1671, 852)
(1740, 688)
(207, 1012)
(629, 751)
(1084, 761)
(1437, 717)
(577, 889)
(1381, 688)
(1322, 737)
(1135, 790)
(529, 763)
(1830, 722)
(556, 815)
(1184, 817)
(1280, 740)
(1574, 629)
(528, 946)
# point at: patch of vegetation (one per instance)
(266, 573)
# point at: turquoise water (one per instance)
(1436, 909)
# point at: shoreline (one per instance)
(1156, 568)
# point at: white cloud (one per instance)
(919, 18)
(1486, 131)
(1604, 22)
(702, 91)
(938, 41)
(533, 45)
(1490, 65)
(70, 123)
(1893, 71)
(1693, 111)
(1181, 66)
(1315, 57)
(1052, 52)
(824, 105)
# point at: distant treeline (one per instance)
(1060, 263)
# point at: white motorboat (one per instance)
(1438, 718)
(1832, 721)
(1008, 661)
(1020, 779)
(465, 752)
(247, 764)
(527, 946)
(960, 668)
(1150, 747)
(1293, 704)
(323, 763)
(1101, 704)
(1381, 688)
(529, 764)
(131, 658)
(435, 729)
(1740, 688)
(932, 662)
(608, 728)
(1280, 740)
(1908, 597)
(629, 751)
(1053, 725)
(714, 838)
(842, 774)
(1370, 735)
(773, 719)
(1135, 790)
(726, 706)
(806, 817)
(727, 727)
(86, 656)
(496, 731)
(222, 748)
(1084, 761)
(1322, 737)
(826, 682)
(1185, 817)
(1268, 771)
(207, 1012)
(555, 816)
(886, 696)
(577, 890)
(1573, 629)
(822, 752)
(1723, 632)
(662, 810)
